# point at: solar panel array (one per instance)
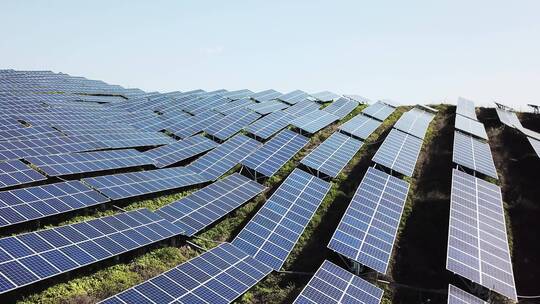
(473, 154)
(477, 240)
(333, 284)
(272, 233)
(231, 124)
(360, 126)
(470, 126)
(414, 122)
(466, 108)
(217, 162)
(367, 231)
(275, 153)
(47, 146)
(198, 210)
(34, 256)
(270, 124)
(341, 107)
(15, 172)
(195, 124)
(399, 152)
(179, 151)
(379, 110)
(459, 296)
(124, 185)
(333, 154)
(219, 275)
(314, 121)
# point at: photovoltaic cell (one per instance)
(333, 154)
(477, 239)
(314, 121)
(35, 256)
(234, 106)
(270, 124)
(36, 132)
(367, 231)
(200, 209)
(275, 153)
(129, 140)
(466, 108)
(272, 233)
(473, 154)
(47, 146)
(471, 126)
(360, 126)
(294, 97)
(333, 284)
(379, 110)
(302, 108)
(15, 172)
(181, 150)
(459, 296)
(267, 107)
(358, 98)
(64, 164)
(124, 185)
(27, 204)
(399, 152)
(194, 124)
(341, 107)
(266, 95)
(414, 122)
(217, 162)
(218, 276)
(231, 124)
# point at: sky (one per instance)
(408, 51)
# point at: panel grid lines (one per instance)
(399, 152)
(15, 172)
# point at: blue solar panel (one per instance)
(194, 124)
(333, 154)
(302, 108)
(15, 172)
(64, 164)
(270, 124)
(234, 106)
(341, 107)
(333, 284)
(219, 275)
(128, 140)
(314, 121)
(458, 296)
(200, 209)
(272, 233)
(294, 97)
(200, 106)
(275, 153)
(32, 257)
(47, 146)
(268, 107)
(414, 122)
(181, 150)
(399, 152)
(367, 231)
(466, 108)
(124, 185)
(223, 158)
(239, 94)
(379, 110)
(265, 95)
(325, 96)
(471, 126)
(360, 126)
(473, 154)
(231, 124)
(27, 204)
(36, 132)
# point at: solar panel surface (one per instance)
(302, 108)
(414, 122)
(399, 152)
(360, 126)
(266, 95)
(459, 296)
(314, 121)
(294, 97)
(234, 106)
(367, 231)
(15, 172)
(535, 144)
(267, 107)
(270, 124)
(325, 96)
(47, 146)
(466, 108)
(341, 107)
(195, 124)
(231, 124)
(473, 154)
(379, 110)
(471, 126)
(179, 151)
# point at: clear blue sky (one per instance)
(410, 51)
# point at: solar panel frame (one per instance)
(333, 284)
(271, 234)
(231, 124)
(360, 126)
(314, 121)
(477, 239)
(367, 231)
(399, 152)
(473, 127)
(333, 154)
(167, 155)
(473, 154)
(458, 296)
(15, 172)
(379, 110)
(341, 107)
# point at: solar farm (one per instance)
(116, 195)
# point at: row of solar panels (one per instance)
(511, 120)
(477, 238)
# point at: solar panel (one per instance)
(358, 98)
(234, 95)
(15, 172)
(509, 118)
(379, 110)
(367, 231)
(399, 152)
(470, 126)
(219, 275)
(294, 97)
(341, 107)
(360, 126)
(200, 209)
(231, 124)
(194, 124)
(314, 121)
(272, 233)
(47, 146)
(35, 256)
(223, 158)
(30, 133)
(270, 124)
(128, 140)
(64, 164)
(199, 106)
(333, 284)
(390, 102)
(325, 96)
(414, 122)
(234, 106)
(181, 150)
(466, 108)
(459, 296)
(267, 107)
(535, 144)
(473, 154)
(124, 185)
(302, 108)
(275, 153)
(27, 204)
(333, 154)
(477, 239)
(266, 95)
